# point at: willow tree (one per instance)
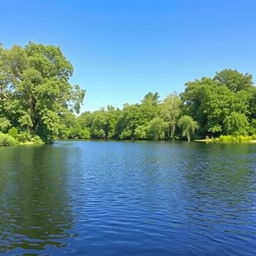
(188, 126)
(35, 90)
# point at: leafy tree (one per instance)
(133, 119)
(236, 124)
(78, 133)
(4, 124)
(156, 128)
(101, 123)
(35, 88)
(234, 80)
(194, 99)
(151, 98)
(211, 101)
(37, 99)
(188, 126)
(252, 128)
(170, 112)
(141, 132)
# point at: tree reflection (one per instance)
(35, 208)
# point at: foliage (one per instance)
(13, 132)
(4, 124)
(170, 112)
(236, 124)
(38, 104)
(35, 89)
(79, 133)
(7, 140)
(234, 80)
(156, 129)
(209, 107)
(234, 139)
(188, 126)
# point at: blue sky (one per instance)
(122, 49)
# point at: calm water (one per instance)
(127, 198)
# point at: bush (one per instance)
(254, 137)
(13, 132)
(7, 140)
(24, 137)
(36, 140)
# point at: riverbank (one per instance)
(8, 140)
(229, 139)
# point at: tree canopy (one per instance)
(35, 92)
(38, 102)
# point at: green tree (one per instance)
(170, 112)
(151, 98)
(35, 88)
(188, 126)
(195, 98)
(156, 128)
(234, 80)
(236, 124)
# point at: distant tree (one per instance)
(195, 98)
(156, 128)
(141, 132)
(170, 112)
(151, 98)
(188, 126)
(234, 80)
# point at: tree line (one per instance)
(38, 103)
(209, 107)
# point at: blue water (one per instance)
(128, 198)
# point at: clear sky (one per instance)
(122, 49)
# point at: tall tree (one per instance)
(234, 80)
(35, 89)
(170, 111)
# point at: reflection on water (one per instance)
(123, 198)
(34, 206)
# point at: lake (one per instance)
(128, 198)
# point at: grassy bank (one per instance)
(230, 139)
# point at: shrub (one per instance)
(13, 132)
(254, 137)
(24, 137)
(234, 139)
(7, 140)
(36, 140)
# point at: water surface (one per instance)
(128, 198)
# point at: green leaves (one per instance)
(213, 102)
(188, 126)
(236, 124)
(35, 89)
(37, 99)
(234, 80)
(170, 111)
(4, 124)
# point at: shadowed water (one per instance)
(128, 198)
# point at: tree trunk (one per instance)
(173, 131)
